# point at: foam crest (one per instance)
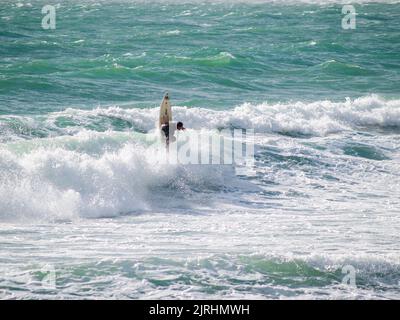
(64, 184)
(95, 175)
(315, 118)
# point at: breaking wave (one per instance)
(316, 118)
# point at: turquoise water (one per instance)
(83, 191)
(207, 55)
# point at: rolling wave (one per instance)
(92, 175)
(318, 118)
(104, 162)
(257, 276)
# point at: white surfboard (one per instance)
(165, 111)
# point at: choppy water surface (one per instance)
(83, 193)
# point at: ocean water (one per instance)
(88, 210)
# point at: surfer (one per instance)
(165, 128)
(165, 121)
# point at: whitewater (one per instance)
(89, 208)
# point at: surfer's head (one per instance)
(179, 126)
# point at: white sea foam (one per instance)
(312, 209)
(92, 175)
(316, 118)
(77, 172)
(61, 184)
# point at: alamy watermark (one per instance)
(48, 280)
(44, 278)
(349, 20)
(49, 20)
(350, 276)
(217, 147)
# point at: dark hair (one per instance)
(179, 124)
